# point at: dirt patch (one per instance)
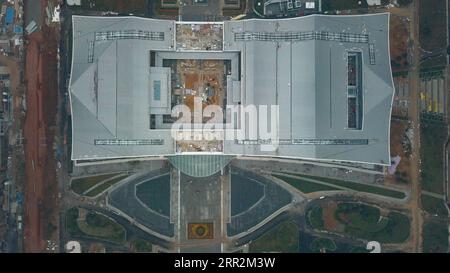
(166, 13)
(202, 78)
(97, 248)
(41, 203)
(191, 81)
(329, 219)
(398, 37)
(137, 6)
(402, 175)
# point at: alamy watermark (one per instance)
(249, 123)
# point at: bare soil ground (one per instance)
(41, 204)
(96, 248)
(329, 219)
(402, 175)
(235, 11)
(198, 75)
(399, 34)
(166, 13)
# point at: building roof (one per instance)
(110, 84)
(308, 79)
(298, 63)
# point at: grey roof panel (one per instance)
(314, 103)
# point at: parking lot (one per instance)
(432, 94)
(401, 98)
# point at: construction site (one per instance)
(41, 192)
(198, 78)
(199, 84)
(199, 36)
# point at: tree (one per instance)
(404, 3)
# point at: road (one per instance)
(355, 192)
(435, 195)
(414, 77)
(40, 218)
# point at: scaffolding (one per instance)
(129, 34)
(301, 36)
(91, 52)
(128, 142)
(372, 54)
(303, 141)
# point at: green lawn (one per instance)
(356, 186)
(397, 229)
(432, 25)
(360, 217)
(283, 238)
(71, 222)
(359, 250)
(435, 237)
(364, 222)
(323, 244)
(94, 226)
(104, 186)
(81, 185)
(305, 186)
(100, 226)
(315, 218)
(434, 205)
(142, 246)
(433, 135)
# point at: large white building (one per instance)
(329, 75)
